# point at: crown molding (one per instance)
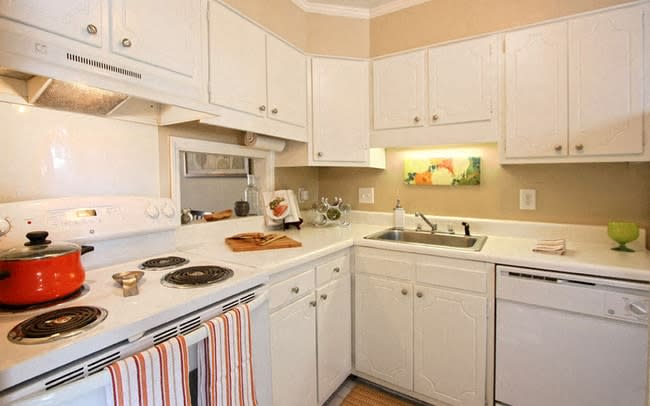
(356, 12)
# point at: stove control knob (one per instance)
(152, 211)
(168, 210)
(5, 226)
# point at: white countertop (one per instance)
(585, 254)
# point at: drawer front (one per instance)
(453, 273)
(285, 292)
(332, 269)
(384, 263)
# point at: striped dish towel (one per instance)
(225, 365)
(158, 376)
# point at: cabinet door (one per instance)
(462, 81)
(70, 18)
(340, 108)
(606, 83)
(399, 91)
(293, 354)
(450, 346)
(287, 82)
(237, 62)
(536, 92)
(383, 325)
(165, 34)
(334, 326)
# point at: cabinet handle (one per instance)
(416, 119)
(419, 294)
(337, 269)
(558, 147)
(579, 147)
(323, 296)
(295, 289)
(435, 117)
(274, 111)
(126, 43)
(92, 29)
(319, 154)
(312, 303)
(262, 108)
(405, 292)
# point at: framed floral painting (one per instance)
(443, 171)
(200, 164)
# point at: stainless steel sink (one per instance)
(455, 241)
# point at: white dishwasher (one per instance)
(569, 340)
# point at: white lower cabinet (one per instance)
(311, 332)
(421, 324)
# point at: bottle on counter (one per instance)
(398, 216)
(252, 196)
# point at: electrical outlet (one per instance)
(527, 199)
(367, 195)
(303, 194)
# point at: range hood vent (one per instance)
(102, 65)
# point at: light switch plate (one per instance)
(367, 195)
(527, 199)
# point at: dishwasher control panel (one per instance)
(626, 306)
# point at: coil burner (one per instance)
(163, 263)
(57, 324)
(196, 276)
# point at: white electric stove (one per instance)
(125, 231)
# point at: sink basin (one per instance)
(455, 241)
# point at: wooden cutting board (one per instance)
(239, 245)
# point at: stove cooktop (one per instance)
(126, 318)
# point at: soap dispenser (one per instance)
(398, 216)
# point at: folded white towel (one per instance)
(225, 365)
(557, 246)
(158, 376)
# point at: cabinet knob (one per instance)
(274, 111)
(92, 29)
(262, 108)
(405, 292)
(312, 303)
(419, 294)
(416, 119)
(323, 296)
(435, 117)
(320, 154)
(558, 147)
(295, 289)
(337, 269)
(579, 147)
(126, 43)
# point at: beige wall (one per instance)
(443, 20)
(566, 193)
(292, 178)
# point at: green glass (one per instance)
(622, 232)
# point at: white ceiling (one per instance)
(352, 3)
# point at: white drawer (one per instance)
(285, 292)
(332, 269)
(452, 273)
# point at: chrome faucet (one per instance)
(434, 227)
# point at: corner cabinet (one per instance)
(311, 331)
(443, 95)
(339, 133)
(259, 80)
(574, 90)
(422, 325)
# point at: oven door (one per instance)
(97, 389)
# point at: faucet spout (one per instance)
(434, 227)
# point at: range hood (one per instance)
(39, 91)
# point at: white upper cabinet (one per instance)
(237, 62)
(287, 82)
(80, 20)
(399, 84)
(462, 81)
(606, 83)
(340, 110)
(165, 36)
(536, 91)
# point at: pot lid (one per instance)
(38, 247)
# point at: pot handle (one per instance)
(4, 275)
(86, 249)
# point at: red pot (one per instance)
(40, 271)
